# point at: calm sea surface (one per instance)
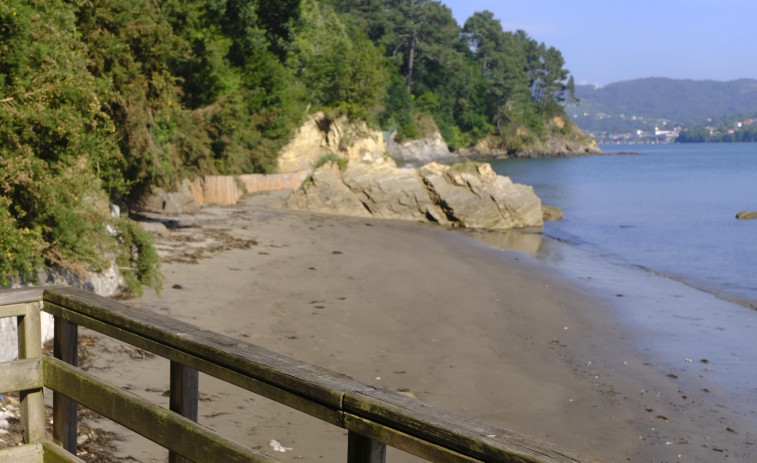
(670, 210)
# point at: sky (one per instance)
(606, 41)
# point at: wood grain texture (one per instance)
(32, 400)
(183, 398)
(361, 449)
(65, 348)
(450, 430)
(13, 310)
(157, 424)
(55, 454)
(30, 453)
(20, 295)
(404, 442)
(328, 414)
(20, 375)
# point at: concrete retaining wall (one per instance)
(227, 189)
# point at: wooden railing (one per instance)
(373, 417)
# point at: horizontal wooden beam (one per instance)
(382, 415)
(30, 453)
(157, 424)
(332, 415)
(20, 375)
(21, 295)
(55, 454)
(13, 310)
(449, 430)
(306, 380)
(403, 441)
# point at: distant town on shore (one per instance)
(659, 110)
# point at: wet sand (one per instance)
(497, 335)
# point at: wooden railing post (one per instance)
(30, 346)
(64, 409)
(184, 398)
(361, 449)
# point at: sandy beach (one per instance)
(428, 312)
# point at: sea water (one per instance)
(670, 209)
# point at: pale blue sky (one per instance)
(605, 41)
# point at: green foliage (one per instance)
(340, 66)
(331, 158)
(20, 248)
(137, 258)
(103, 100)
(58, 149)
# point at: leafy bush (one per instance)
(58, 147)
(137, 258)
(332, 159)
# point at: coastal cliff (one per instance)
(561, 137)
(353, 174)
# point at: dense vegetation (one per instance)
(102, 99)
(645, 103)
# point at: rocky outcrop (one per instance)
(322, 135)
(390, 192)
(563, 138)
(467, 195)
(171, 203)
(324, 191)
(552, 213)
(427, 149)
(473, 196)
(746, 215)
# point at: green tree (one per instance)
(338, 63)
(501, 58)
(57, 141)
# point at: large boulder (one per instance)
(169, 203)
(431, 147)
(324, 191)
(390, 192)
(473, 196)
(467, 195)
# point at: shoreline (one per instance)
(530, 246)
(495, 335)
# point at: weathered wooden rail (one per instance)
(373, 417)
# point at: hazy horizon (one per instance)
(604, 42)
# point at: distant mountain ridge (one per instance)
(645, 103)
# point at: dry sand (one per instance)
(426, 311)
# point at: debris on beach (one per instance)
(277, 447)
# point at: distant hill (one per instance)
(646, 103)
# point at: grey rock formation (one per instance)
(171, 203)
(473, 196)
(467, 195)
(324, 191)
(429, 148)
(390, 192)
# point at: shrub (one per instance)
(333, 159)
(137, 259)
